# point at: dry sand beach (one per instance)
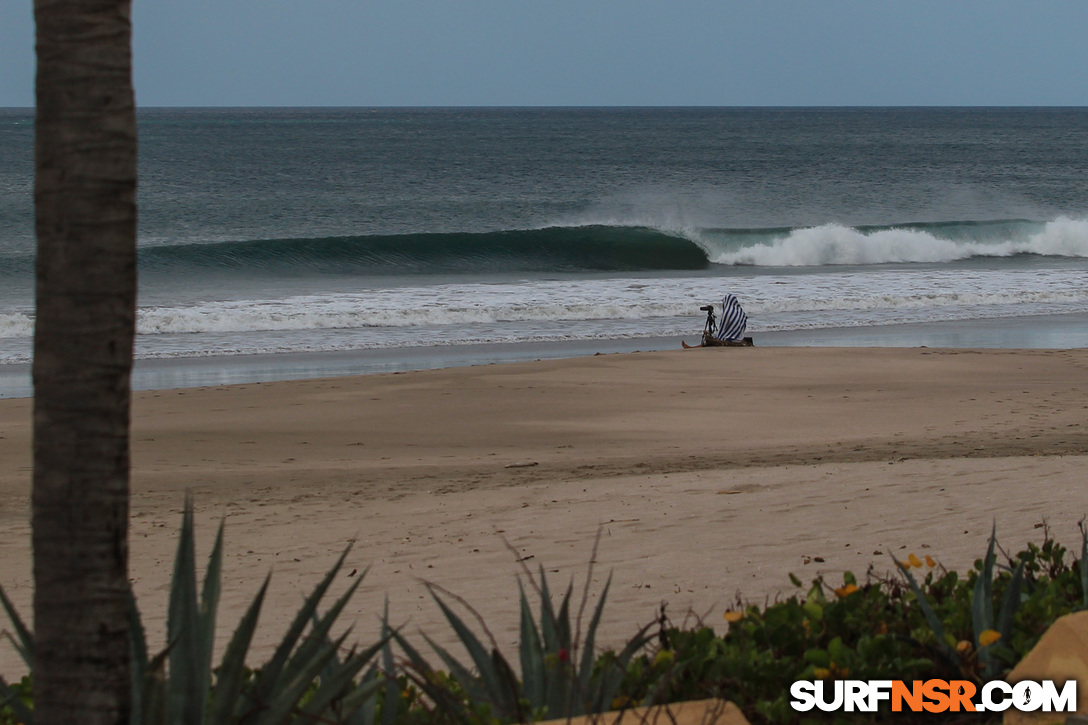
(711, 474)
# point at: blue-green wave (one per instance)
(555, 249)
(611, 248)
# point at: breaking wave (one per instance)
(619, 248)
(835, 244)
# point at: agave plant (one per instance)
(386, 701)
(561, 676)
(305, 681)
(988, 630)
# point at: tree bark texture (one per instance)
(85, 216)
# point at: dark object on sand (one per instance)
(711, 341)
(731, 330)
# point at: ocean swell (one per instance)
(553, 249)
(620, 248)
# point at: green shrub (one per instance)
(938, 625)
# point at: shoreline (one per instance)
(1069, 331)
(713, 473)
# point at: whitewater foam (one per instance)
(16, 325)
(835, 244)
(608, 299)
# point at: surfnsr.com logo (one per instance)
(933, 696)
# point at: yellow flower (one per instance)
(988, 637)
(929, 561)
(821, 673)
(846, 590)
(733, 616)
(915, 561)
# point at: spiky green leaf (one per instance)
(982, 604)
(931, 617)
(269, 678)
(533, 668)
(139, 663)
(231, 674)
(585, 670)
(391, 703)
(599, 698)
(1010, 602)
(206, 615)
(336, 683)
(298, 678)
(23, 641)
(186, 691)
(492, 677)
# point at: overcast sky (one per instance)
(590, 52)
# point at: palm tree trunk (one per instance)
(85, 207)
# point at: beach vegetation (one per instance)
(562, 674)
(915, 621)
(895, 625)
(311, 676)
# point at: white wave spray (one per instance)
(834, 244)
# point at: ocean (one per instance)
(295, 242)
